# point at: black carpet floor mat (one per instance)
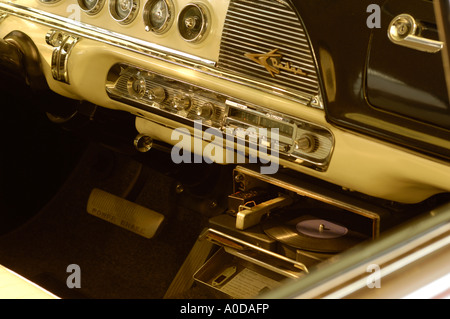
(114, 262)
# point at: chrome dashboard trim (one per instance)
(267, 41)
(105, 36)
(49, 1)
(153, 50)
(63, 44)
(231, 115)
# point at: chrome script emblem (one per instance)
(273, 64)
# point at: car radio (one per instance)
(291, 138)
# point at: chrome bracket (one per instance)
(63, 44)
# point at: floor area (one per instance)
(114, 262)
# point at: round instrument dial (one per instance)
(158, 15)
(124, 11)
(193, 22)
(91, 6)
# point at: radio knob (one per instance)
(306, 143)
(157, 94)
(181, 102)
(136, 86)
(206, 110)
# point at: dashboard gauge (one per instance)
(123, 11)
(91, 6)
(193, 22)
(158, 15)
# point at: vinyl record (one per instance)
(311, 233)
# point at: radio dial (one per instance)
(157, 94)
(206, 111)
(181, 102)
(306, 143)
(136, 86)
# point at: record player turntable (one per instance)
(275, 230)
(311, 233)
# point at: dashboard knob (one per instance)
(181, 102)
(191, 22)
(54, 38)
(157, 94)
(136, 86)
(204, 111)
(306, 143)
(143, 143)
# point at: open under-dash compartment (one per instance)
(242, 270)
(235, 277)
(276, 228)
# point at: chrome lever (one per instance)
(404, 30)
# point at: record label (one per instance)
(321, 228)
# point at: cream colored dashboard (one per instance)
(207, 48)
(356, 162)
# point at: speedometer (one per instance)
(158, 15)
(123, 11)
(91, 6)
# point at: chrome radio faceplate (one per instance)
(296, 139)
(291, 138)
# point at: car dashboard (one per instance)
(330, 130)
